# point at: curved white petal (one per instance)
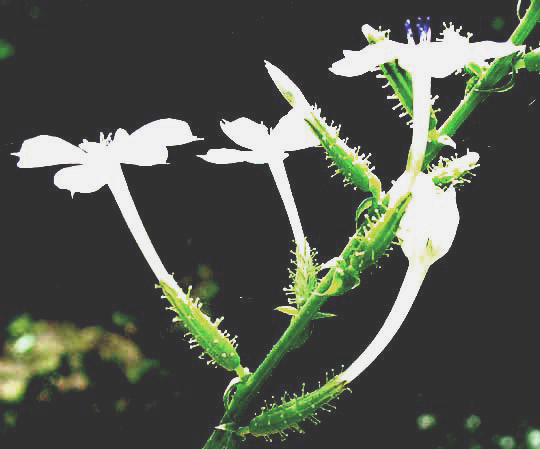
(120, 135)
(81, 179)
(246, 133)
(230, 156)
(429, 226)
(42, 151)
(148, 145)
(359, 62)
(446, 140)
(480, 51)
(292, 133)
(442, 59)
(288, 89)
(445, 223)
(167, 132)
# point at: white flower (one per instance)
(436, 59)
(423, 61)
(427, 231)
(269, 147)
(290, 91)
(96, 164)
(290, 134)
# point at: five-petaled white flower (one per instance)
(96, 164)
(426, 231)
(269, 147)
(423, 61)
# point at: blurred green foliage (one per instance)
(6, 49)
(38, 348)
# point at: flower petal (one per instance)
(148, 145)
(445, 222)
(81, 179)
(288, 89)
(293, 133)
(480, 51)
(42, 151)
(361, 61)
(444, 58)
(166, 132)
(230, 156)
(430, 223)
(246, 133)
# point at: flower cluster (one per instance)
(420, 209)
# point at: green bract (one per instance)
(276, 419)
(372, 239)
(354, 167)
(205, 333)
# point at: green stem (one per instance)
(495, 73)
(246, 392)
(333, 281)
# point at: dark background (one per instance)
(470, 344)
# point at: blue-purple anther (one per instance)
(422, 27)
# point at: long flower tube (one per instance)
(277, 168)
(119, 188)
(427, 231)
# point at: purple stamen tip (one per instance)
(426, 25)
(422, 28)
(407, 25)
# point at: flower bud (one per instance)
(429, 225)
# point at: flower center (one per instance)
(423, 30)
(105, 140)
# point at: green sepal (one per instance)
(204, 332)
(355, 168)
(375, 237)
(278, 418)
(531, 61)
(400, 81)
(371, 240)
(453, 171)
(344, 278)
(304, 279)
(364, 205)
(293, 311)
